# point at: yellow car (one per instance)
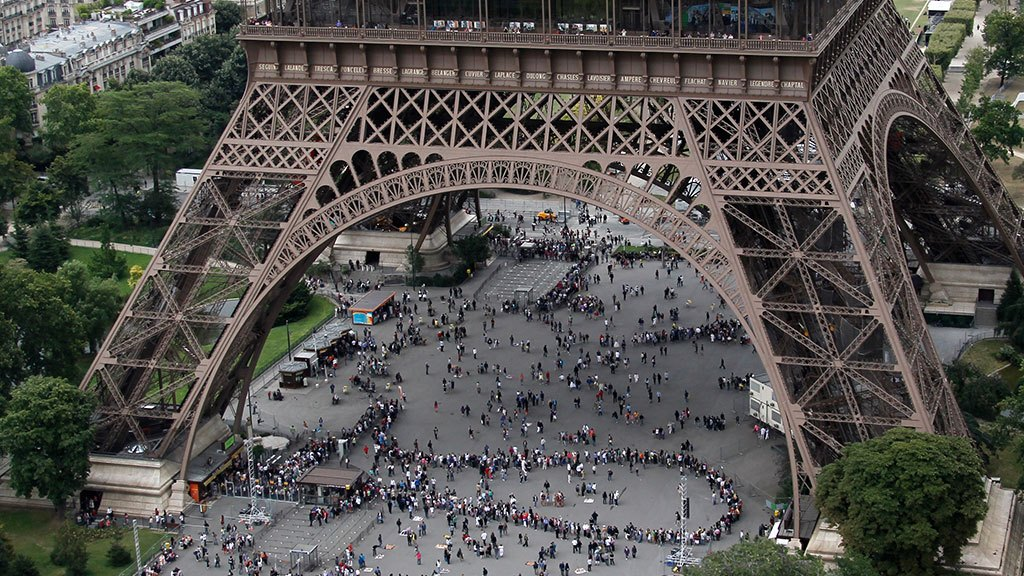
(547, 215)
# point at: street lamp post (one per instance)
(288, 335)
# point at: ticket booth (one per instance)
(373, 308)
(293, 374)
(308, 358)
(210, 465)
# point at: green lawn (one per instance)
(1002, 464)
(320, 309)
(1015, 188)
(983, 355)
(137, 236)
(32, 534)
(85, 255)
(910, 9)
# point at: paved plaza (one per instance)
(648, 495)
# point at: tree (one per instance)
(1011, 295)
(23, 566)
(39, 203)
(20, 241)
(6, 551)
(15, 100)
(135, 274)
(118, 555)
(134, 77)
(48, 248)
(221, 96)
(854, 565)
(16, 174)
(472, 249)
(48, 331)
(150, 127)
(228, 15)
(1011, 319)
(974, 72)
(107, 262)
(71, 181)
(760, 557)
(976, 393)
(997, 128)
(70, 550)
(47, 433)
(904, 498)
(96, 300)
(297, 305)
(1010, 426)
(69, 108)
(414, 261)
(1004, 34)
(206, 54)
(12, 361)
(174, 68)
(157, 205)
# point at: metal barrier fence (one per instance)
(968, 341)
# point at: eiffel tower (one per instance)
(797, 161)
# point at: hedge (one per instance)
(963, 5)
(946, 40)
(938, 71)
(965, 17)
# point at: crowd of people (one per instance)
(404, 483)
(587, 304)
(277, 476)
(405, 486)
(575, 280)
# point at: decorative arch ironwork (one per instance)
(779, 197)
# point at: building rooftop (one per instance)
(21, 60)
(68, 42)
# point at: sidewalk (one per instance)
(954, 74)
(132, 248)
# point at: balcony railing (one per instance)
(500, 37)
(535, 39)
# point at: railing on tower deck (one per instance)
(444, 37)
(534, 39)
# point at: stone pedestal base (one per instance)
(391, 246)
(132, 485)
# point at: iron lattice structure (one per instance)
(796, 176)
